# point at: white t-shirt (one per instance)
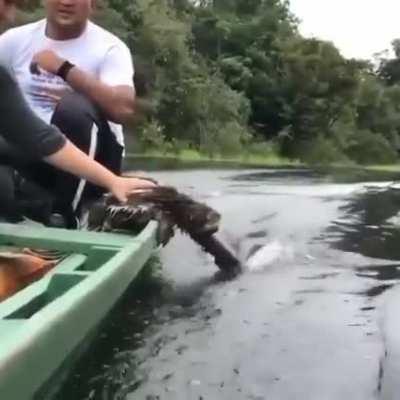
(96, 51)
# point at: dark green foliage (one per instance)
(389, 69)
(230, 77)
(322, 151)
(372, 148)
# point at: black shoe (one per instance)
(57, 220)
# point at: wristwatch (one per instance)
(63, 71)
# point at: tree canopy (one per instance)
(222, 75)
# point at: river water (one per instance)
(303, 321)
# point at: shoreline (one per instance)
(255, 161)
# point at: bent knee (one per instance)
(75, 116)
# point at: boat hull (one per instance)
(47, 321)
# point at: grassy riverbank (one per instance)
(269, 160)
(153, 160)
(384, 168)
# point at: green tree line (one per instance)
(234, 77)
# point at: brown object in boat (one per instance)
(17, 270)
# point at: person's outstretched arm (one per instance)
(69, 158)
(37, 140)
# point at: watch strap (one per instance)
(63, 71)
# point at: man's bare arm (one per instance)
(116, 101)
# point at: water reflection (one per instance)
(364, 227)
(321, 175)
(377, 290)
(264, 218)
(113, 349)
(268, 333)
(131, 335)
(373, 291)
(282, 176)
(380, 272)
(320, 276)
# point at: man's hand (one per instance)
(47, 60)
(122, 187)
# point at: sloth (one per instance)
(172, 210)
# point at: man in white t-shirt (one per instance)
(79, 77)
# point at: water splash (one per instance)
(267, 255)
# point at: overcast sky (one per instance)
(359, 28)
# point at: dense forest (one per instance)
(228, 77)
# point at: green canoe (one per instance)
(46, 322)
